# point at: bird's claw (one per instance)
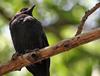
(15, 55)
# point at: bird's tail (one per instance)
(40, 69)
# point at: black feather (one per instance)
(27, 34)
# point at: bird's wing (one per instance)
(44, 40)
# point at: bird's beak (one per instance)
(31, 9)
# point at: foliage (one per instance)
(60, 19)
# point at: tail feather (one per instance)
(40, 69)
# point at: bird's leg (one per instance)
(15, 55)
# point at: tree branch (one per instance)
(4, 13)
(62, 46)
(84, 18)
(34, 57)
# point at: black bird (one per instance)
(27, 34)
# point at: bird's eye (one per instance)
(23, 9)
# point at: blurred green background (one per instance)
(60, 19)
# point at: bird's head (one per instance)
(27, 10)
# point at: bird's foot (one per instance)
(15, 55)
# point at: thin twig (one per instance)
(84, 18)
(47, 52)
